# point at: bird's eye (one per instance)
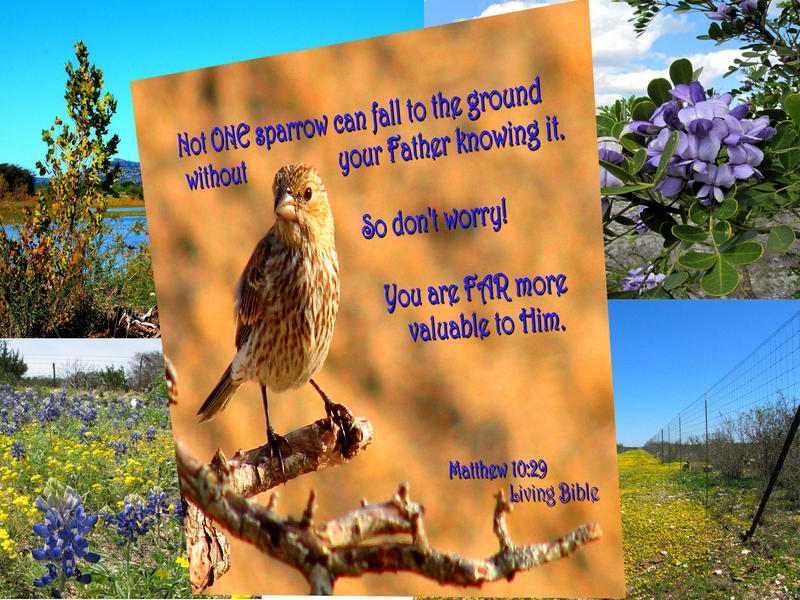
(307, 194)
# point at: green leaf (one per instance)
(632, 142)
(643, 110)
(616, 130)
(738, 238)
(721, 232)
(623, 220)
(698, 213)
(666, 154)
(637, 162)
(658, 90)
(675, 280)
(621, 295)
(657, 293)
(604, 125)
(780, 238)
(744, 253)
(698, 261)
(680, 71)
(722, 279)
(618, 191)
(617, 171)
(725, 209)
(689, 233)
(792, 107)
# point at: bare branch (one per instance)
(329, 550)
(308, 449)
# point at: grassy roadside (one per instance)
(675, 548)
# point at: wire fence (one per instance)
(740, 425)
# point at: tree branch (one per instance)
(332, 549)
(310, 448)
(336, 548)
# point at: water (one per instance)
(125, 223)
(119, 222)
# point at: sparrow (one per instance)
(286, 299)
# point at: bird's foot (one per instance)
(275, 442)
(343, 418)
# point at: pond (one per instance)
(120, 220)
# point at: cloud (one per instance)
(613, 39)
(615, 46)
(617, 52)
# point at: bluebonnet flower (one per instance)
(157, 504)
(136, 437)
(9, 429)
(120, 447)
(87, 414)
(150, 433)
(133, 520)
(107, 516)
(18, 451)
(177, 511)
(85, 435)
(642, 279)
(706, 127)
(63, 530)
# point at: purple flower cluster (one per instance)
(642, 279)
(726, 12)
(15, 410)
(610, 150)
(120, 447)
(716, 144)
(63, 530)
(18, 451)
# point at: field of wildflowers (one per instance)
(676, 548)
(89, 501)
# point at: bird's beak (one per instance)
(286, 208)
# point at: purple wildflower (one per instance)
(723, 13)
(642, 279)
(706, 126)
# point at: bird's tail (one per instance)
(219, 397)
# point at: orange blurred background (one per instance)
(501, 399)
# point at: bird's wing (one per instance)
(251, 292)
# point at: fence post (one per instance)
(787, 443)
(662, 446)
(680, 442)
(705, 404)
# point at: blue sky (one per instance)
(666, 353)
(147, 39)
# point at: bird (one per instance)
(287, 299)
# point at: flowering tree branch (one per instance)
(325, 551)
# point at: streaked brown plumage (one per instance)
(287, 297)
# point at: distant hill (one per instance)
(131, 171)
